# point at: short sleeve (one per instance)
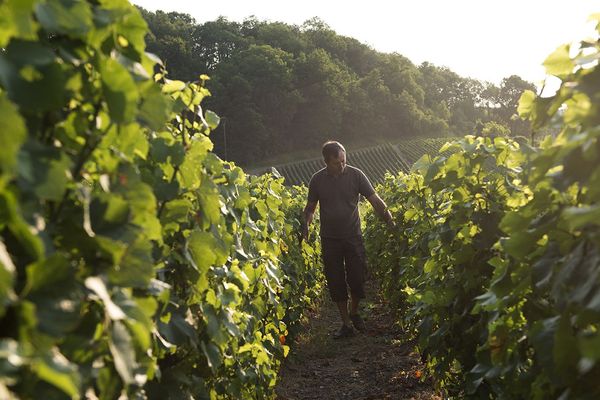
(364, 185)
(313, 194)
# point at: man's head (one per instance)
(334, 155)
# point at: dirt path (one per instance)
(371, 365)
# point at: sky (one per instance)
(481, 39)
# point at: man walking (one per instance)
(336, 188)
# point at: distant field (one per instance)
(412, 150)
(374, 161)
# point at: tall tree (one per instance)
(170, 38)
(287, 88)
(217, 41)
(509, 94)
(259, 101)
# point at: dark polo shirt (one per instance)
(338, 200)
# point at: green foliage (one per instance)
(286, 89)
(133, 261)
(496, 262)
(494, 129)
(436, 263)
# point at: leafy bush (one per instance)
(133, 261)
(494, 129)
(497, 264)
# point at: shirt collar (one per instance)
(333, 176)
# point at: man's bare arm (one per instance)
(309, 213)
(381, 209)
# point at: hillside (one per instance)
(283, 88)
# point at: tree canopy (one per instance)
(285, 88)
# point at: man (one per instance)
(336, 188)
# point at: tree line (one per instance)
(283, 88)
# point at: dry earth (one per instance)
(376, 364)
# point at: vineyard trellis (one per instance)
(374, 161)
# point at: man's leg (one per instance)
(333, 261)
(355, 302)
(356, 269)
(343, 307)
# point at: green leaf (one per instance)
(108, 211)
(210, 202)
(422, 164)
(142, 204)
(121, 348)
(131, 25)
(176, 213)
(559, 63)
(25, 53)
(173, 86)
(178, 331)
(48, 274)
(212, 354)
(16, 21)
(10, 214)
(578, 108)
(565, 351)
(34, 88)
(70, 17)
(526, 104)
(109, 384)
(519, 244)
(55, 369)
(12, 134)
(261, 207)
(542, 335)
(58, 316)
(136, 267)
(212, 119)
(120, 91)
(140, 312)
(229, 323)
(44, 170)
(578, 217)
(429, 266)
(7, 276)
(214, 321)
(514, 221)
(165, 149)
(97, 285)
(156, 107)
(589, 346)
(190, 172)
(165, 190)
(244, 198)
(200, 249)
(131, 142)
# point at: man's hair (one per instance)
(331, 149)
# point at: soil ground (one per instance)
(376, 364)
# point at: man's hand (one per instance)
(309, 212)
(381, 210)
(390, 221)
(304, 235)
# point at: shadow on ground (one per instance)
(371, 365)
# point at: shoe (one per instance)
(358, 322)
(344, 332)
